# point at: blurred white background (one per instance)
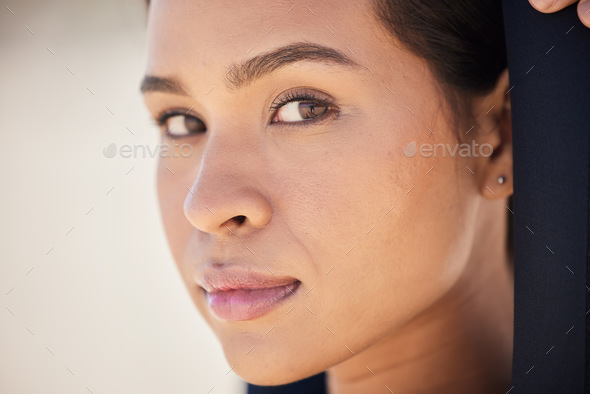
(91, 300)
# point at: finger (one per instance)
(584, 12)
(547, 6)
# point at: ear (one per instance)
(494, 172)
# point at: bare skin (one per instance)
(402, 260)
(472, 356)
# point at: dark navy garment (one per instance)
(549, 69)
(312, 385)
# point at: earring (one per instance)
(501, 179)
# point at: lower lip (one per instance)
(235, 305)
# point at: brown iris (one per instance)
(310, 110)
(193, 125)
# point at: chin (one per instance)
(265, 376)
(274, 370)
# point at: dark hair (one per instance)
(461, 40)
(463, 44)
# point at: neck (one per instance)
(462, 343)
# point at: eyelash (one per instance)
(292, 96)
(289, 97)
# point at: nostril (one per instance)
(240, 219)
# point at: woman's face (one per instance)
(297, 120)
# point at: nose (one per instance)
(225, 195)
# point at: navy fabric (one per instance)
(549, 67)
(312, 385)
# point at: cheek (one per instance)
(183, 239)
(412, 256)
(171, 197)
(392, 236)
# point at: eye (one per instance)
(298, 111)
(302, 106)
(175, 124)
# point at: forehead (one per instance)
(186, 37)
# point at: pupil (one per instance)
(311, 110)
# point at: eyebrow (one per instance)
(152, 83)
(243, 74)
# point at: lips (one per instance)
(235, 293)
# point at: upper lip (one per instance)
(236, 277)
